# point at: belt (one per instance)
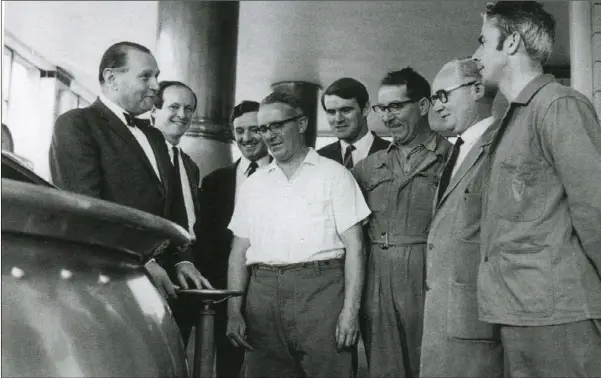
(385, 241)
(301, 265)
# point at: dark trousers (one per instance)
(563, 350)
(291, 317)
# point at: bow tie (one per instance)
(134, 122)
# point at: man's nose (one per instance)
(248, 135)
(437, 106)
(153, 84)
(181, 112)
(338, 116)
(385, 115)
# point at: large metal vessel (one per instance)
(75, 297)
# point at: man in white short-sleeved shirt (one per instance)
(297, 226)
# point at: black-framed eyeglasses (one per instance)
(443, 94)
(276, 127)
(394, 107)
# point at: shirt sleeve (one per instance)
(349, 206)
(572, 137)
(239, 224)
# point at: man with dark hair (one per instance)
(540, 273)
(399, 185)
(104, 151)
(298, 254)
(455, 343)
(219, 192)
(346, 104)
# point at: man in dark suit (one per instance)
(218, 196)
(104, 151)
(174, 107)
(346, 103)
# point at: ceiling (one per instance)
(315, 41)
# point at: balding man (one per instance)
(297, 227)
(105, 151)
(455, 343)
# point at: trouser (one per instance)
(563, 350)
(393, 306)
(229, 359)
(291, 314)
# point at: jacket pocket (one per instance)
(468, 218)
(523, 191)
(526, 281)
(462, 315)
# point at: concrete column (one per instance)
(197, 44)
(596, 47)
(581, 61)
(308, 94)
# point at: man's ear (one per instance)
(478, 90)
(110, 77)
(512, 43)
(303, 123)
(424, 106)
(366, 109)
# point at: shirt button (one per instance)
(486, 259)
(430, 246)
(427, 287)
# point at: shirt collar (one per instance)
(245, 163)
(312, 158)
(476, 130)
(532, 87)
(429, 144)
(116, 109)
(362, 144)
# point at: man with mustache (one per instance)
(346, 103)
(399, 185)
(455, 343)
(540, 273)
(219, 192)
(298, 255)
(104, 151)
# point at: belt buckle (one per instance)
(384, 245)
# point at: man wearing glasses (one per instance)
(455, 343)
(399, 185)
(298, 254)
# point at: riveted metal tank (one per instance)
(75, 297)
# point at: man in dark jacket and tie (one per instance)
(218, 195)
(346, 103)
(104, 151)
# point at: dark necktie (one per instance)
(348, 156)
(251, 168)
(177, 206)
(448, 169)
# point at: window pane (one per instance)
(6, 67)
(67, 100)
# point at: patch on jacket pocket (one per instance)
(462, 315)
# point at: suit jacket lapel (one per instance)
(121, 129)
(468, 163)
(192, 179)
(378, 144)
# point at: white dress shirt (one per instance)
(189, 203)
(298, 219)
(362, 147)
(470, 137)
(242, 171)
(136, 132)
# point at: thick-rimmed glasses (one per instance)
(276, 127)
(443, 94)
(395, 107)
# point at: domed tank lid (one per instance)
(48, 212)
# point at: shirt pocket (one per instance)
(523, 189)
(319, 216)
(377, 190)
(462, 315)
(423, 188)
